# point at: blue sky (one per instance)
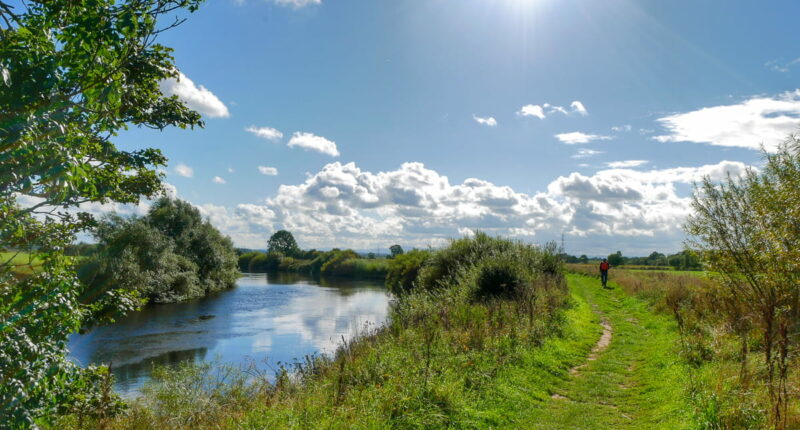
(525, 118)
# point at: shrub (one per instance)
(447, 265)
(265, 262)
(244, 260)
(499, 276)
(403, 270)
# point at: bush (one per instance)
(403, 270)
(265, 262)
(498, 276)
(447, 265)
(244, 260)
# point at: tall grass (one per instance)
(424, 369)
(729, 381)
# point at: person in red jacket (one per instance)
(604, 272)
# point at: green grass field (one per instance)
(21, 262)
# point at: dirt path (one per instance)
(630, 377)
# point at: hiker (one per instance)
(604, 272)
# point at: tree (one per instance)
(583, 259)
(748, 232)
(395, 250)
(72, 75)
(169, 255)
(283, 242)
(616, 259)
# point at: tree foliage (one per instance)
(169, 255)
(403, 270)
(283, 242)
(395, 250)
(616, 259)
(748, 230)
(72, 75)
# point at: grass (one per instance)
(477, 373)
(637, 383)
(21, 262)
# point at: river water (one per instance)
(266, 319)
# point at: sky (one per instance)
(367, 123)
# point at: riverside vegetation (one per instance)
(494, 334)
(284, 255)
(485, 333)
(478, 308)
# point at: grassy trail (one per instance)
(616, 368)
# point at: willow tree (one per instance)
(748, 229)
(72, 75)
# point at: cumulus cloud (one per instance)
(184, 170)
(198, 98)
(541, 111)
(489, 121)
(531, 110)
(344, 205)
(269, 171)
(218, 180)
(749, 124)
(637, 211)
(626, 163)
(578, 108)
(312, 142)
(576, 137)
(267, 133)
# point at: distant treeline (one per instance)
(684, 260)
(283, 255)
(336, 262)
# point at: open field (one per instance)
(21, 262)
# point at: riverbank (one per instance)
(334, 263)
(605, 362)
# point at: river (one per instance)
(266, 319)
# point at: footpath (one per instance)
(617, 367)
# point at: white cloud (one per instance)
(576, 137)
(636, 211)
(231, 170)
(541, 111)
(297, 3)
(342, 205)
(314, 143)
(626, 163)
(586, 153)
(756, 121)
(269, 171)
(578, 108)
(780, 66)
(620, 128)
(489, 121)
(218, 180)
(267, 133)
(196, 97)
(184, 170)
(531, 110)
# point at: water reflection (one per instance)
(277, 318)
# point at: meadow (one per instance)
(494, 334)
